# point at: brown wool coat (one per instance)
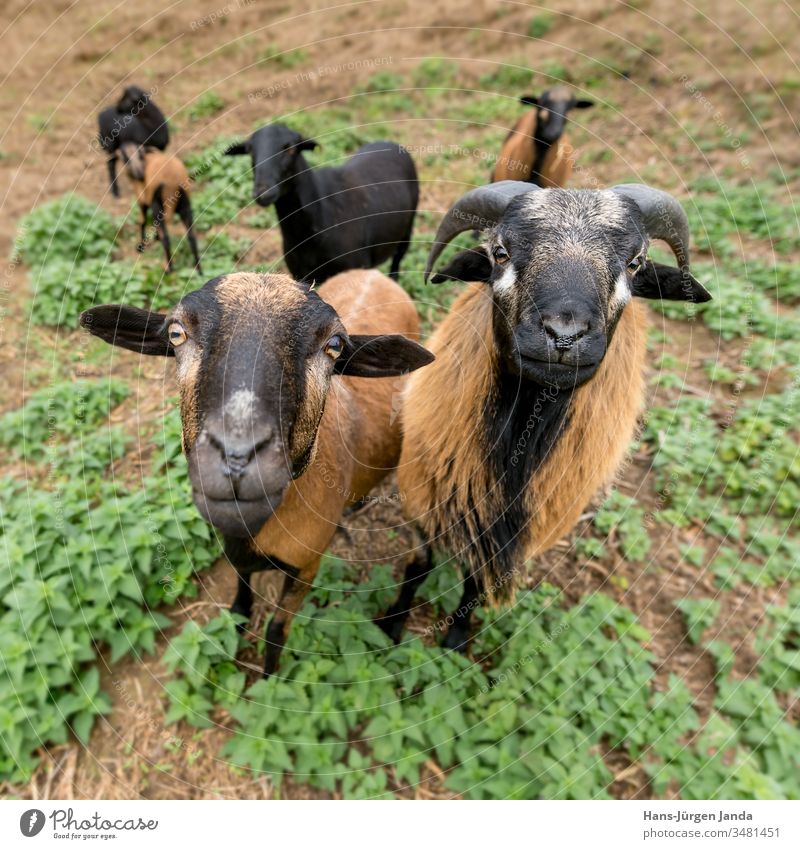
(447, 484)
(519, 152)
(161, 170)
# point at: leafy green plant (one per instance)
(435, 72)
(540, 25)
(283, 58)
(622, 515)
(84, 563)
(381, 81)
(778, 644)
(62, 290)
(207, 104)
(70, 228)
(720, 212)
(67, 409)
(699, 614)
(224, 184)
(507, 729)
(507, 77)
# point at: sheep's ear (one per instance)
(529, 100)
(238, 149)
(666, 283)
(129, 327)
(471, 265)
(307, 144)
(583, 104)
(381, 356)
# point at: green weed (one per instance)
(70, 228)
(540, 25)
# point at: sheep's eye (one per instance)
(177, 335)
(635, 264)
(334, 347)
(500, 255)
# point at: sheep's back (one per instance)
(114, 129)
(167, 173)
(383, 173)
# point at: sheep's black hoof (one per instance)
(392, 625)
(457, 639)
(140, 247)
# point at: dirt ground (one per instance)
(61, 61)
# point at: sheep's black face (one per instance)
(255, 355)
(551, 111)
(275, 151)
(561, 269)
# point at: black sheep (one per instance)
(355, 215)
(134, 118)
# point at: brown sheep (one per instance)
(536, 150)
(284, 426)
(162, 185)
(538, 379)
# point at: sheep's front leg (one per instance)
(161, 228)
(112, 174)
(184, 209)
(393, 621)
(142, 228)
(296, 585)
(243, 603)
(245, 561)
(457, 637)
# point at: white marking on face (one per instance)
(239, 408)
(506, 281)
(621, 294)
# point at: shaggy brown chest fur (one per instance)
(493, 480)
(518, 156)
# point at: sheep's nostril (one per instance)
(237, 455)
(236, 462)
(564, 332)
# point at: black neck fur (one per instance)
(523, 422)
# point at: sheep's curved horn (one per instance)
(664, 218)
(476, 210)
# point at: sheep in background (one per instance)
(355, 215)
(281, 429)
(162, 186)
(134, 119)
(536, 150)
(538, 379)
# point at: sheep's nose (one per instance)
(265, 195)
(565, 330)
(236, 453)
